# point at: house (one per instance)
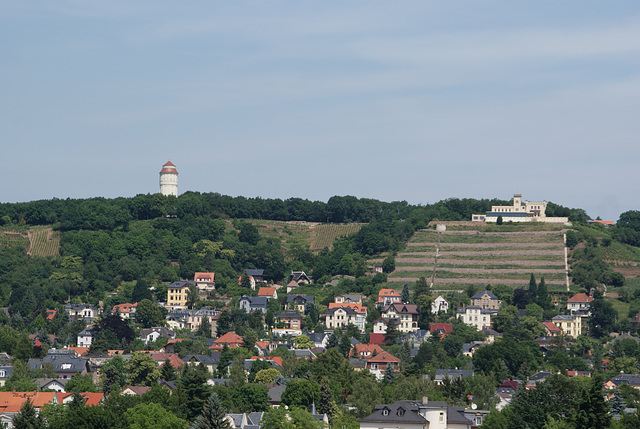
(55, 384)
(348, 299)
(405, 315)
(418, 415)
(469, 348)
(292, 322)
(97, 359)
(205, 282)
(530, 211)
(85, 337)
(262, 347)
(90, 399)
(126, 311)
(65, 363)
(632, 380)
(300, 278)
(11, 402)
(491, 335)
(177, 293)
(209, 362)
(268, 292)
(256, 276)
(451, 374)
(551, 330)
(230, 339)
(439, 305)
(538, 377)
(299, 302)
(135, 390)
(569, 325)
(441, 328)
(476, 316)
(342, 315)
(151, 335)
(486, 299)
(365, 351)
(245, 421)
(388, 296)
(380, 327)
(578, 304)
(381, 363)
(508, 387)
(192, 319)
(319, 340)
(253, 303)
(87, 312)
(5, 373)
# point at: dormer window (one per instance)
(400, 412)
(385, 411)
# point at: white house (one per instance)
(439, 305)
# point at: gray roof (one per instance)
(203, 359)
(631, 379)
(488, 292)
(161, 330)
(65, 364)
(398, 412)
(255, 301)
(452, 373)
(254, 272)
(275, 392)
(8, 370)
(300, 298)
(182, 283)
(467, 347)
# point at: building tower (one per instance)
(169, 180)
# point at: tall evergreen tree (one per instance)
(593, 411)
(533, 289)
(392, 334)
(345, 346)
(405, 293)
(213, 415)
(325, 400)
(543, 295)
(167, 372)
(617, 404)
(204, 330)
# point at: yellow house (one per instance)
(177, 293)
(570, 325)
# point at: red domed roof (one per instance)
(169, 168)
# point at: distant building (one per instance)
(177, 293)
(530, 211)
(476, 316)
(569, 325)
(579, 303)
(169, 180)
(439, 305)
(486, 299)
(206, 283)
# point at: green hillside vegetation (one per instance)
(478, 254)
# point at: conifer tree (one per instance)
(167, 372)
(405, 293)
(617, 403)
(325, 401)
(213, 415)
(28, 418)
(543, 295)
(533, 289)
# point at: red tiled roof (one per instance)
(551, 326)
(445, 327)
(175, 360)
(580, 297)
(210, 276)
(384, 357)
(124, 308)
(230, 338)
(376, 339)
(359, 308)
(266, 291)
(366, 350)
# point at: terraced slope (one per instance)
(483, 256)
(43, 242)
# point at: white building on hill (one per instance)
(530, 211)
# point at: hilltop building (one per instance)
(169, 180)
(530, 211)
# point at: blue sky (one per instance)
(404, 100)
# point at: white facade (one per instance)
(439, 304)
(530, 211)
(475, 316)
(169, 180)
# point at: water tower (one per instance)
(169, 180)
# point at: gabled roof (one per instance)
(266, 291)
(357, 307)
(181, 284)
(209, 277)
(488, 292)
(136, 390)
(441, 327)
(228, 338)
(384, 357)
(300, 298)
(406, 412)
(551, 327)
(254, 272)
(401, 308)
(580, 297)
(175, 360)
(124, 308)
(361, 350)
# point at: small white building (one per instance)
(439, 305)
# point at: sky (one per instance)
(392, 100)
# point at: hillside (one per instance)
(312, 235)
(479, 254)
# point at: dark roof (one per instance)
(631, 379)
(182, 283)
(203, 359)
(488, 292)
(398, 412)
(300, 297)
(254, 272)
(452, 373)
(255, 301)
(289, 313)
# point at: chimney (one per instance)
(425, 400)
